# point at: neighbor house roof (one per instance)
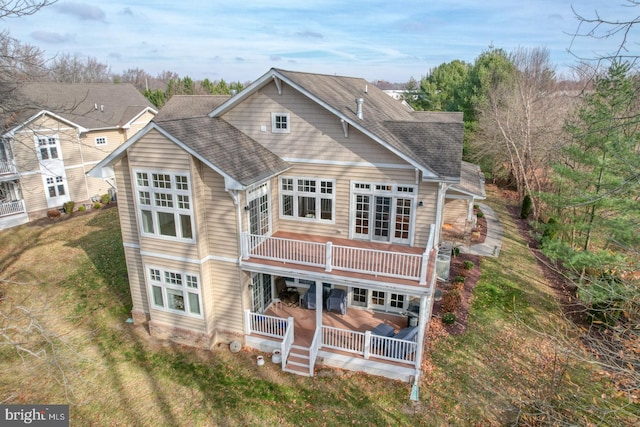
(432, 142)
(85, 105)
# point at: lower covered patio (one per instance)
(360, 340)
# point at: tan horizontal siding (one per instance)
(220, 213)
(126, 206)
(226, 291)
(92, 153)
(138, 124)
(137, 283)
(425, 214)
(455, 211)
(77, 184)
(155, 152)
(315, 132)
(178, 320)
(32, 189)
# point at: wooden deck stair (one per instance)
(298, 361)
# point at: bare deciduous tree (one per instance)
(18, 8)
(520, 123)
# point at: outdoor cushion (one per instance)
(383, 330)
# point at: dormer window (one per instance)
(280, 123)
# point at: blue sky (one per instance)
(241, 40)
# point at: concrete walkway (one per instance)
(493, 242)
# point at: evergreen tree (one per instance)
(598, 181)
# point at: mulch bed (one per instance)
(471, 278)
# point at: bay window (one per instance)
(165, 205)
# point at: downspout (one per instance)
(235, 196)
(426, 308)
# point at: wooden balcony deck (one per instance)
(373, 261)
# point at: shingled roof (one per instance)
(189, 106)
(431, 141)
(217, 142)
(88, 105)
(471, 180)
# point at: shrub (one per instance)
(468, 265)
(68, 207)
(105, 199)
(459, 279)
(451, 300)
(97, 205)
(81, 208)
(455, 252)
(53, 214)
(526, 207)
(449, 318)
(480, 214)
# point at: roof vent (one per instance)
(233, 92)
(359, 103)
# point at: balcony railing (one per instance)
(7, 167)
(400, 265)
(12, 208)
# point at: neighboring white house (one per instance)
(62, 131)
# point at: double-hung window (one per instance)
(55, 186)
(48, 148)
(165, 204)
(175, 291)
(308, 198)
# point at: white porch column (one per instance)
(423, 321)
(319, 305)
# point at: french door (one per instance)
(382, 218)
(262, 292)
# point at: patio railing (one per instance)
(313, 351)
(287, 342)
(345, 258)
(270, 326)
(366, 344)
(12, 208)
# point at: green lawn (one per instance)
(70, 276)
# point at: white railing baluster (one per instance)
(337, 257)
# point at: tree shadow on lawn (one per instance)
(148, 378)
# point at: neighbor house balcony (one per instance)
(393, 263)
(12, 208)
(8, 167)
